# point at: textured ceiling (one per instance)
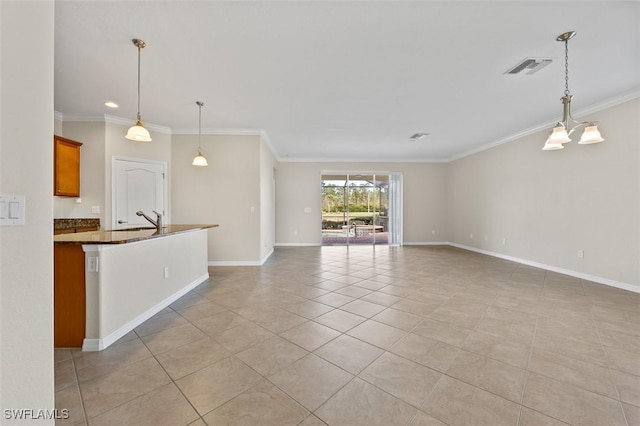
(333, 80)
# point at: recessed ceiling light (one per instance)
(418, 136)
(111, 104)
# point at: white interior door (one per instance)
(137, 185)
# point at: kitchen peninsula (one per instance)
(109, 282)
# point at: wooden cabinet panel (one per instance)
(66, 168)
(69, 296)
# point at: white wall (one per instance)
(92, 171)
(298, 187)
(26, 167)
(550, 204)
(223, 193)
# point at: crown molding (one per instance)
(608, 103)
(264, 136)
(360, 160)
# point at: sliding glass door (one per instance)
(355, 208)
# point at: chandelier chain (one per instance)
(566, 67)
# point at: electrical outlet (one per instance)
(92, 264)
(433, 232)
(95, 209)
(581, 254)
(504, 241)
(486, 238)
(471, 236)
(166, 272)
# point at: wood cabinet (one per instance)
(69, 301)
(66, 167)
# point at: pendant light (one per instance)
(561, 132)
(138, 133)
(199, 160)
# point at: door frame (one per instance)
(165, 189)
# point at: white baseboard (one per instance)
(581, 275)
(235, 263)
(429, 243)
(298, 245)
(266, 256)
(105, 342)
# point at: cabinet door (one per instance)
(66, 169)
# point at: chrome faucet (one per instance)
(157, 223)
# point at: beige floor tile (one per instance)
(312, 420)
(360, 403)
(94, 364)
(622, 361)
(69, 399)
(310, 335)
(578, 373)
(632, 413)
(165, 405)
(349, 353)
(398, 319)
(217, 323)
(494, 376)
(524, 303)
(621, 341)
(423, 419)
(577, 349)
(172, 338)
(311, 380)
(380, 298)
(363, 308)
(619, 326)
(61, 354)
(330, 285)
(549, 327)
(377, 334)
(569, 403)
(201, 310)
(498, 348)
(455, 317)
(628, 385)
(457, 403)
(428, 352)
(160, 322)
(190, 299)
(428, 298)
(404, 379)
(529, 417)
(262, 404)
(353, 291)
(374, 284)
(242, 337)
(218, 383)
(271, 355)
(279, 321)
(442, 331)
(340, 320)
(64, 374)
(334, 300)
(192, 357)
(309, 309)
(122, 385)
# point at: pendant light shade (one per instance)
(199, 160)
(138, 133)
(562, 132)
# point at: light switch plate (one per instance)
(12, 210)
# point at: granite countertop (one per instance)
(72, 223)
(123, 236)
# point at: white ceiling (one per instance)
(336, 80)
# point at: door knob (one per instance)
(122, 221)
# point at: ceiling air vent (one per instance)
(529, 66)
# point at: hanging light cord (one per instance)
(566, 67)
(199, 124)
(138, 44)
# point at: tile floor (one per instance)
(370, 336)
